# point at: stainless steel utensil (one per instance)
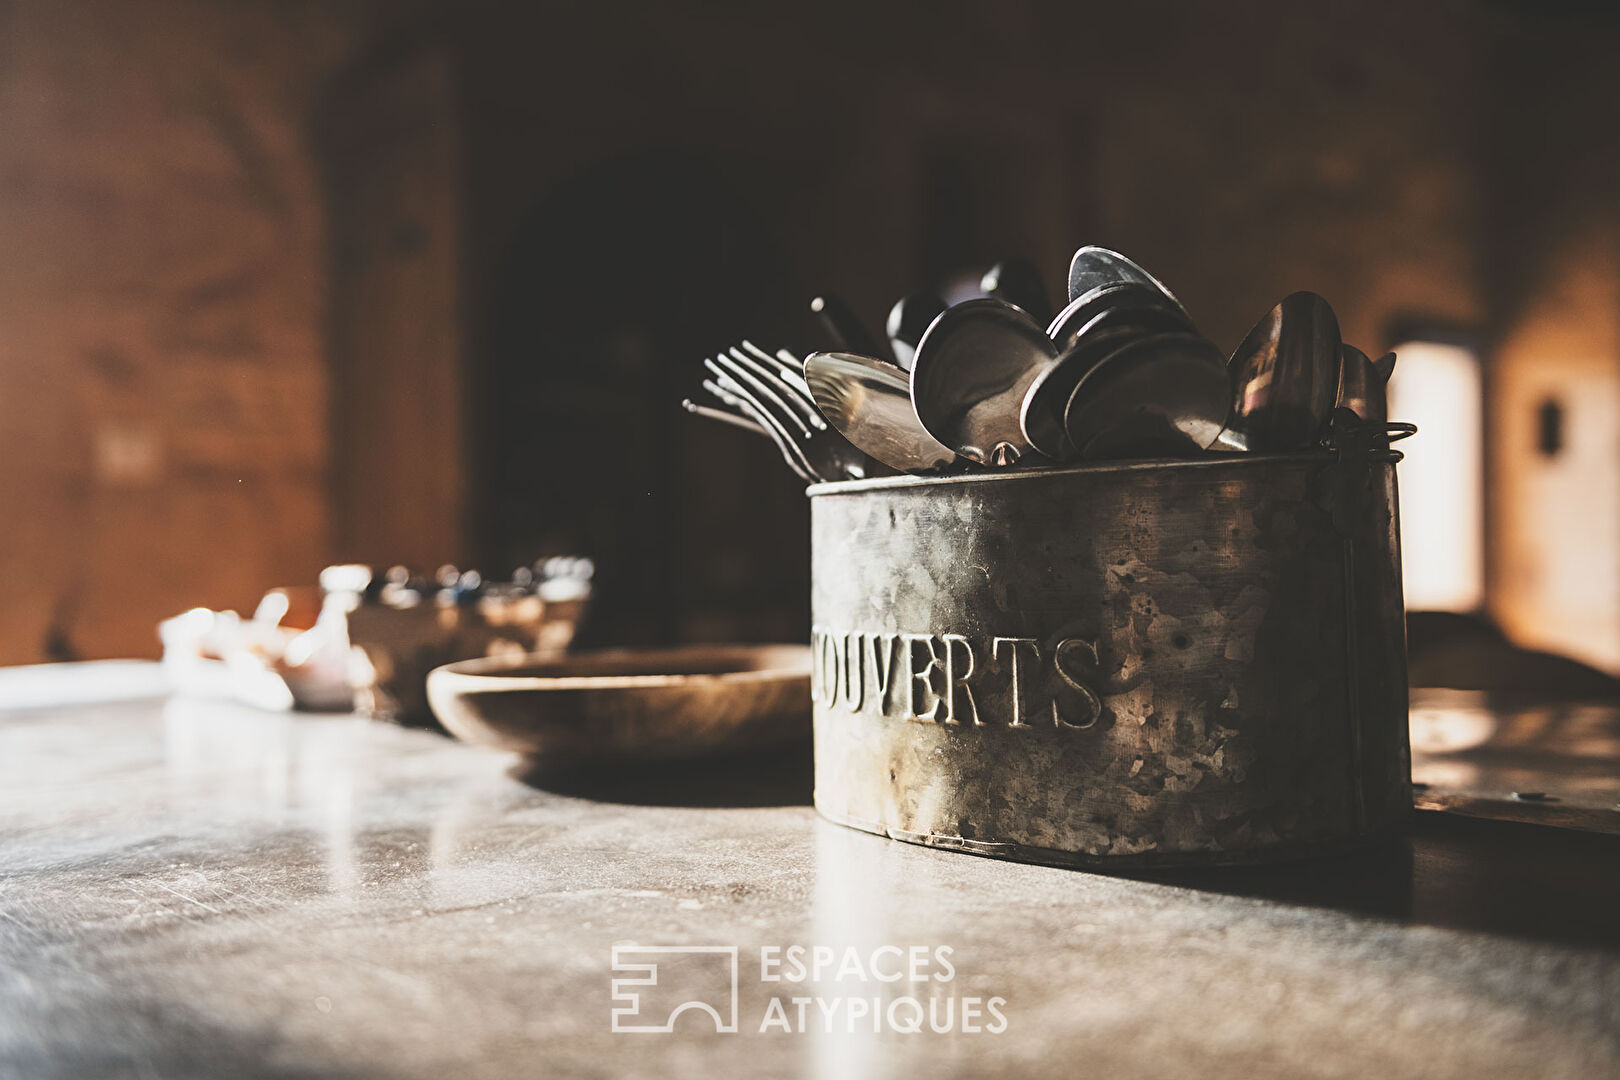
(1091, 326)
(727, 391)
(971, 372)
(1158, 395)
(789, 368)
(788, 386)
(1120, 371)
(909, 320)
(1362, 384)
(869, 401)
(767, 393)
(1117, 303)
(726, 397)
(1285, 375)
(825, 454)
(1041, 414)
(1094, 266)
(847, 331)
(1017, 282)
(723, 417)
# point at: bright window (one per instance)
(1438, 387)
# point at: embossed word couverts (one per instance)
(1014, 682)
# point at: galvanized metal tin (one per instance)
(1164, 662)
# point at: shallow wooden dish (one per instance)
(629, 705)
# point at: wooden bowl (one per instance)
(629, 705)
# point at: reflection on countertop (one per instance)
(196, 888)
(1548, 763)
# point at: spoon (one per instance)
(1041, 414)
(1087, 330)
(969, 377)
(1285, 375)
(909, 320)
(1124, 301)
(1094, 266)
(1017, 282)
(843, 327)
(1362, 383)
(869, 401)
(1164, 393)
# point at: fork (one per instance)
(783, 366)
(724, 417)
(790, 366)
(780, 381)
(741, 390)
(773, 393)
(748, 414)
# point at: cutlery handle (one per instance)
(724, 417)
(1018, 283)
(909, 319)
(844, 328)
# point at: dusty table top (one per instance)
(192, 888)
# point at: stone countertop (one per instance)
(194, 888)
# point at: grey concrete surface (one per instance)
(193, 889)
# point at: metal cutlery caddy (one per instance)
(1115, 664)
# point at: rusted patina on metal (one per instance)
(1117, 664)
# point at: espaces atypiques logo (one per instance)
(800, 989)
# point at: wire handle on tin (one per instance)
(1348, 433)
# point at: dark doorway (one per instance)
(609, 294)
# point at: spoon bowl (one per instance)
(1362, 384)
(1093, 266)
(869, 402)
(1285, 375)
(1041, 415)
(1157, 394)
(1118, 303)
(971, 372)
